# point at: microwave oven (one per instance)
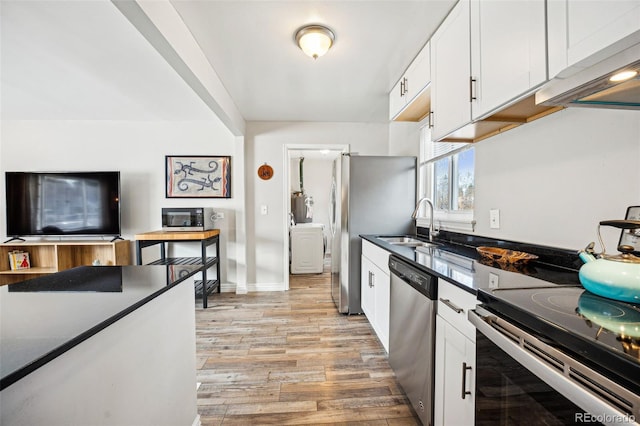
(187, 218)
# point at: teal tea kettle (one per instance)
(613, 276)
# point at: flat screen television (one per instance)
(63, 203)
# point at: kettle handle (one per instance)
(622, 224)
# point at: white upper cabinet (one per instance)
(397, 99)
(583, 32)
(419, 72)
(508, 51)
(451, 72)
(409, 100)
(488, 57)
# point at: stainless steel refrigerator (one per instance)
(369, 195)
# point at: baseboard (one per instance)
(233, 288)
(196, 421)
(227, 288)
(265, 287)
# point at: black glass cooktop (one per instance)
(602, 333)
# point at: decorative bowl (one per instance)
(505, 256)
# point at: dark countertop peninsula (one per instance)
(42, 318)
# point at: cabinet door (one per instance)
(397, 99)
(508, 45)
(594, 25)
(589, 30)
(419, 73)
(367, 281)
(375, 288)
(382, 290)
(451, 72)
(454, 394)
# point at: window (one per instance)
(453, 181)
(447, 174)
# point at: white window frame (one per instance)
(449, 220)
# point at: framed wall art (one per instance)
(198, 176)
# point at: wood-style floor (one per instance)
(286, 358)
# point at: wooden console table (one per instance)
(205, 286)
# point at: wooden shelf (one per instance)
(49, 257)
(32, 270)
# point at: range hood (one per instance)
(592, 87)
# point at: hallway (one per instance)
(291, 358)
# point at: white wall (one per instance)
(554, 179)
(137, 150)
(404, 138)
(265, 144)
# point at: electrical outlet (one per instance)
(493, 280)
(264, 209)
(494, 219)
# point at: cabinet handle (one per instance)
(465, 392)
(406, 86)
(402, 87)
(451, 305)
(472, 84)
(430, 120)
(372, 278)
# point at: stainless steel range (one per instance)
(556, 355)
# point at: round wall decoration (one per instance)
(265, 172)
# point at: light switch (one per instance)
(264, 209)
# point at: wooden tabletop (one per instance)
(177, 235)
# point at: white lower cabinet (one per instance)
(454, 393)
(375, 287)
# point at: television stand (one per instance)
(49, 257)
(14, 239)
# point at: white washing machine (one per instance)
(307, 248)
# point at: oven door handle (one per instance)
(558, 370)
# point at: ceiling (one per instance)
(83, 60)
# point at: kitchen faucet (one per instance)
(414, 215)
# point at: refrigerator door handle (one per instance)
(332, 206)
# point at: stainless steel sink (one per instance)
(407, 242)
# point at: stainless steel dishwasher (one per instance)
(412, 319)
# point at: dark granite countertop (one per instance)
(44, 317)
(461, 265)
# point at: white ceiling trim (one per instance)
(160, 24)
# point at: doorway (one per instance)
(315, 183)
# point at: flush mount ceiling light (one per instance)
(315, 40)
